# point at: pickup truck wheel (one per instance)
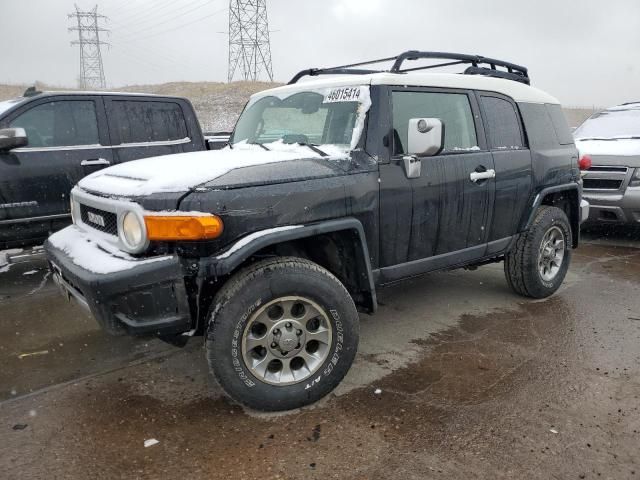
(282, 334)
(538, 261)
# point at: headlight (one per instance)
(635, 178)
(132, 233)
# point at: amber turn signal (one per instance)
(187, 227)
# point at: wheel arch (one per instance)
(567, 198)
(338, 245)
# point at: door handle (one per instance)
(477, 176)
(95, 161)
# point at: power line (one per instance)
(169, 20)
(249, 44)
(162, 32)
(152, 15)
(88, 28)
(138, 10)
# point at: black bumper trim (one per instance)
(150, 298)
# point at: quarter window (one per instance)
(503, 124)
(60, 124)
(453, 109)
(143, 122)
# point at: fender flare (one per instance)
(229, 260)
(566, 187)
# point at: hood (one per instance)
(620, 151)
(242, 165)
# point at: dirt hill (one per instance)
(219, 104)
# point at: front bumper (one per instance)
(143, 298)
(614, 208)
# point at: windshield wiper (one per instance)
(314, 148)
(260, 145)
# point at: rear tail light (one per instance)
(585, 162)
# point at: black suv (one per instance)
(329, 190)
(50, 140)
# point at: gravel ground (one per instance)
(472, 382)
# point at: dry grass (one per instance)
(219, 104)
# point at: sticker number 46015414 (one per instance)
(347, 94)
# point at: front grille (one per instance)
(101, 220)
(601, 184)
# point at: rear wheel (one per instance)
(282, 334)
(538, 261)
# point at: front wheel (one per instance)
(538, 261)
(282, 334)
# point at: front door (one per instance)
(439, 219)
(65, 144)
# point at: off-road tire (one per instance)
(244, 294)
(521, 262)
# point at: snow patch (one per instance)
(92, 254)
(4, 258)
(150, 442)
(175, 213)
(624, 147)
(475, 148)
(183, 171)
(253, 236)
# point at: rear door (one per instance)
(512, 160)
(147, 127)
(68, 139)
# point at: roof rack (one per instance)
(478, 65)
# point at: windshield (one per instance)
(318, 117)
(611, 124)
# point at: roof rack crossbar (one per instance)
(513, 72)
(427, 67)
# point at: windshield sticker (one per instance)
(348, 94)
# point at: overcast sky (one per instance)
(585, 52)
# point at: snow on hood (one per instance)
(623, 147)
(184, 171)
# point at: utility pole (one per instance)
(89, 30)
(249, 45)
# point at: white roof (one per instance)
(516, 90)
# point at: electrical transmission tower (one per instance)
(88, 28)
(249, 46)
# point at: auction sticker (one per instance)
(346, 94)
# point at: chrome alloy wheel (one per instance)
(287, 340)
(551, 254)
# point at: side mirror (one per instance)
(11, 138)
(426, 137)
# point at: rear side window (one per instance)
(60, 124)
(503, 124)
(565, 137)
(453, 109)
(143, 122)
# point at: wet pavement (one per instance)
(473, 382)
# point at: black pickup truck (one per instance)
(50, 140)
(329, 190)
